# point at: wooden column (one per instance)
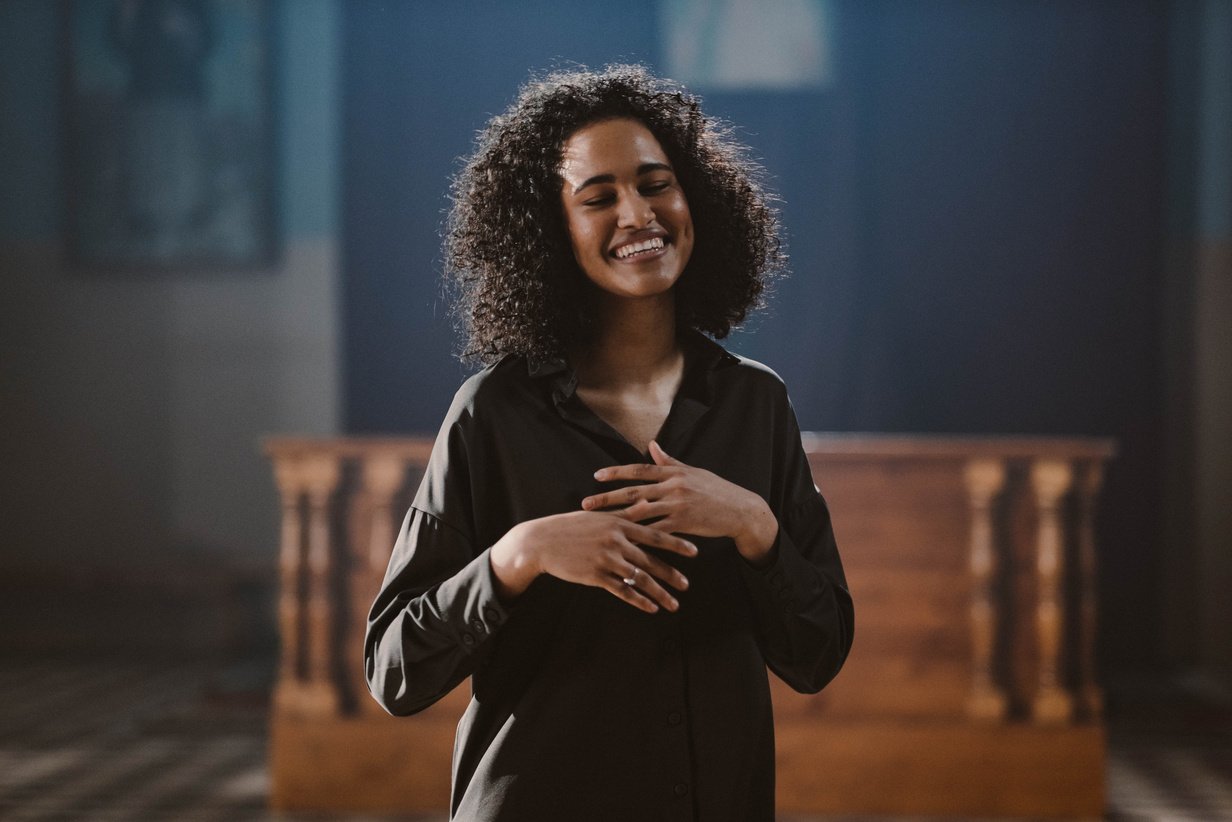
(289, 478)
(383, 476)
(321, 694)
(984, 479)
(1051, 479)
(1090, 694)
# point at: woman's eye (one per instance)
(656, 187)
(598, 201)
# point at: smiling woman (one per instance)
(615, 606)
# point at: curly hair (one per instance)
(508, 256)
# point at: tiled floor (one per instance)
(142, 741)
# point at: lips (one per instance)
(637, 248)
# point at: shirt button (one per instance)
(681, 789)
(467, 639)
(477, 625)
(491, 615)
(674, 718)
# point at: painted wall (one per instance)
(1207, 273)
(134, 403)
(974, 208)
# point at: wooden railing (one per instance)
(972, 561)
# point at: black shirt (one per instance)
(583, 707)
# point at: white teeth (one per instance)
(625, 251)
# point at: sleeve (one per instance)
(432, 621)
(801, 604)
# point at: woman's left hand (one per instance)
(690, 501)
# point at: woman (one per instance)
(617, 530)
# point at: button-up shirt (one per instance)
(583, 707)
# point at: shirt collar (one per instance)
(703, 358)
(702, 354)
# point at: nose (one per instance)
(634, 211)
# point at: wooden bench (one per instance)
(970, 690)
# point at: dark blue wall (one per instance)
(974, 213)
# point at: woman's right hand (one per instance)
(597, 548)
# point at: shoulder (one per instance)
(744, 374)
(757, 372)
(732, 370)
(496, 386)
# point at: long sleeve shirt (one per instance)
(583, 707)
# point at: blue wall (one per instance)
(29, 128)
(977, 197)
(974, 212)
(304, 66)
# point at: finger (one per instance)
(647, 586)
(643, 510)
(619, 589)
(620, 497)
(668, 524)
(635, 471)
(660, 456)
(657, 538)
(660, 570)
(633, 594)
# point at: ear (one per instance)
(660, 456)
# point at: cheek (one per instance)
(583, 235)
(683, 217)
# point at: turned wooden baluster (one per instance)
(383, 477)
(1051, 479)
(321, 694)
(1090, 693)
(289, 478)
(985, 479)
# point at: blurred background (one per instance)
(1002, 217)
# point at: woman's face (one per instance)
(627, 216)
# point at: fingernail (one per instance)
(684, 582)
(674, 604)
(599, 474)
(586, 503)
(692, 548)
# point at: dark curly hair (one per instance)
(508, 256)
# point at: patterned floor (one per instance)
(139, 741)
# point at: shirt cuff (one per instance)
(783, 586)
(469, 604)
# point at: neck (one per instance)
(636, 343)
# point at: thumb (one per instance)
(660, 456)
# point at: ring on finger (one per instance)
(631, 579)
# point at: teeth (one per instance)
(629, 250)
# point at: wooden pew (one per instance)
(970, 690)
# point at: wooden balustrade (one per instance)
(971, 687)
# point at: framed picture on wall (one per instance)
(169, 134)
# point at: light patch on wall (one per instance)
(748, 44)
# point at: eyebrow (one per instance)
(644, 168)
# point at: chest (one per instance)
(636, 416)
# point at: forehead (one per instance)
(609, 147)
